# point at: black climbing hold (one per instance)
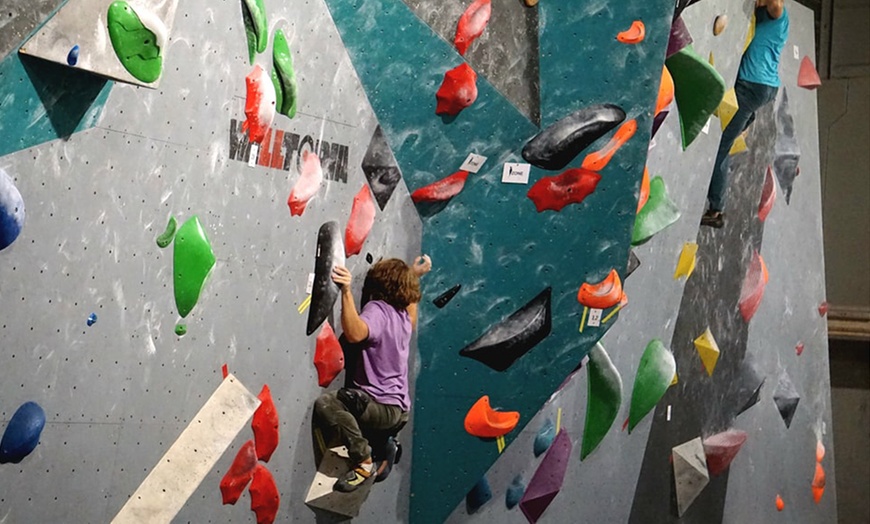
(786, 150)
(554, 147)
(786, 398)
(330, 253)
(369, 258)
(380, 168)
(633, 263)
(442, 299)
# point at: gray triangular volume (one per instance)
(633, 263)
(20, 18)
(690, 472)
(786, 150)
(380, 168)
(786, 398)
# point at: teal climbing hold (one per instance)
(544, 437)
(698, 90)
(658, 213)
(602, 401)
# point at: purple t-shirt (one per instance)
(382, 369)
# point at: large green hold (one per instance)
(256, 27)
(135, 44)
(698, 90)
(654, 376)
(658, 213)
(283, 76)
(602, 401)
(193, 260)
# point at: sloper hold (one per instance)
(241, 472)
(479, 495)
(444, 298)
(768, 195)
(513, 337)
(599, 159)
(654, 375)
(256, 27)
(753, 287)
(666, 91)
(708, 350)
(362, 218)
(632, 35)
(514, 492)
(658, 213)
(328, 356)
(458, 90)
(690, 473)
(721, 449)
(548, 478)
(472, 24)
(603, 400)
(633, 263)
(283, 75)
(308, 184)
(22, 433)
(602, 295)
(786, 149)
(698, 90)
(330, 253)
(260, 104)
(11, 211)
(571, 187)
(137, 45)
(441, 190)
(808, 77)
(544, 437)
(687, 261)
(679, 37)
(557, 145)
(265, 499)
(786, 398)
(192, 260)
(380, 168)
(265, 425)
(484, 422)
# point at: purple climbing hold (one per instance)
(22, 433)
(679, 38)
(658, 121)
(548, 478)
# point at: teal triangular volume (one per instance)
(490, 236)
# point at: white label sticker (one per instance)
(309, 287)
(515, 173)
(706, 128)
(669, 412)
(255, 153)
(594, 317)
(797, 53)
(473, 163)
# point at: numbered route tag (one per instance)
(309, 287)
(594, 317)
(255, 153)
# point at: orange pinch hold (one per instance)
(598, 160)
(780, 504)
(484, 422)
(634, 34)
(818, 483)
(644, 190)
(602, 295)
(666, 91)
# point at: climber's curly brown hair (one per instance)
(392, 281)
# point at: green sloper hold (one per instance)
(658, 213)
(193, 260)
(698, 90)
(283, 76)
(135, 44)
(654, 376)
(254, 15)
(602, 401)
(168, 234)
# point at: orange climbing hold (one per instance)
(818, 483)
(598, 160)
(602, 295)
(644, 190)
(666, 91)
(780, 504)
(808, 77)
(485, 422)
(634, 34)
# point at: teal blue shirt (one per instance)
(760, 62)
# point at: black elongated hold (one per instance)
(330, 253)
(514, 336)
(554, 147)
(633, 263)
(442, 299)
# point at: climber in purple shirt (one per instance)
(379, 400)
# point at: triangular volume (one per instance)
(721, 449)
(690, 473)
(380, 168)
(786, 149)
(698, 89)
(786, 398)
(808, 77)
(124, 41)
(21, 19)
(547, 480)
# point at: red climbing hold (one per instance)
(634, 34)
(328, 356)
(556, 192)
(457, 91)
(362, 217)
(823, 309)
(598, 160)
(768, 195)
(721, 449)
(264, 495)
(259, 104)
(780, 504)
(308, 184)
(644, 190)
(237, 477)
(808, 77)
(265, 425)
(602, 295)
(799, 348)
(444, 189)
(818, 483)
(471, 24)
(753, 287)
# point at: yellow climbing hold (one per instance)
(739, 145)
(751, 33)
(727, 108)
(712, 62)
(686, 263)
(676, 379)
(708, 350)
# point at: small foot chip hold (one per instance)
(168, 234)
(823, 308)
(557, 145)
(780, 504)
(441, 190)
(687, 261)
(265, 499)
(719, 24)
(544, 437)
(708, 350)
(458, 90)
(180, 329)
(634, 34)
(241, 471)
(603, 400)
(690, 472)
(444, 298)
(604, 294)
(308, 184)
(808, 77)
(22, 433)
(484, 422)
(553, 193)
(514, 492)
(721, 449)
(92, 319)
(72, 58)
(479, 495)
(265, 425)
(471, 24)
(328, 356)
(654, 375)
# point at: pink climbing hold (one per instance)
(721, 449)
(259, 104)
(241, 471)
(799, 348)
(264, 495)
(571, 187)
(265, 425)
(444, 189)
(457, 91)
(328, 356)
(823, 309)
(308, 184)
(362, 218)
(808, 77)
(753, 287)
(471, 24)
(768, 195)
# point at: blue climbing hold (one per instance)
(22, 433)
(545, 437)
(514, 492)
(92, 319)
(479, 495)
(11, 210)
(73, 57)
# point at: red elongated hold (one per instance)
(259, 104)
(602, 295)
(328, 356)
(721, 448)
(753, 287)
(780, 504)
(362, 218)
(571, 187)
(818, 483)
(457, 91)
(265, 425)
(471, 24)
(768, 195)
(644, 190)
(444, 189)
(634, 34)
(808, 77)
(265, 499)
(240, 473)
(598, 160)
(308, 184)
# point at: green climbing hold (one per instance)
(136, 45)
(254, 14)
(654, 376)
(602, 401)
(658, 213)
(180, 330)
(193, 260)
(168, 234)
(283, 76)
(698, 90)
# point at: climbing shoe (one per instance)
(354, 478)
(713, 219)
